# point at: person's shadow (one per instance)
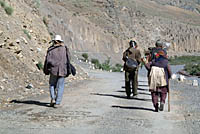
(135, 108)
(31, 102)
(120, 96)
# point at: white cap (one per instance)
(57, 38)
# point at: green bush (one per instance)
(37, 3)
(39, 65)
(117, 68)
(27, 33)
(184, 60)
(106, 65)
(85, 56)
(9, 10)
(45, 21)
(3, 4)
(192, 69)
(96, 63)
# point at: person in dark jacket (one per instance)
(158, 47)
(159, 73)
(131, 76)
(56, 65)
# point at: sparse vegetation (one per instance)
(106, 65)
(96, 63)
(45, 21)
(117, 68)
(39, 65)
(192, 63)
(184, 60)
(27, 33)
(85, 56)
(8, 9)
(193, 69)
(3, 4)
(37, 3)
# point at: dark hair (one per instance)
(159, 43)
(57, 41)
(132, 43)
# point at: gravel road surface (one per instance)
(99, 106)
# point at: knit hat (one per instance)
(159, 43)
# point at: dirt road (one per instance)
(95, 106)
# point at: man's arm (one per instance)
(124, 58)
(138, 57)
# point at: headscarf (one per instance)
(160, 55)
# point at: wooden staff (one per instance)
(168, 98)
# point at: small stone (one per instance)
(2, 45)
(174, 76)
(8, 27)
(17, 41)
(195, 83)
(29, 86)
(39, 49)
(31, 49)
(25, 41)
(18, 51)
(182, 78)
(11, 44)
(2, 87)
(3, 80)
(1, 32)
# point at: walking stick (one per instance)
(168, 98)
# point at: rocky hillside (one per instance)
(100, 28)
(192, 5)
(104, 26)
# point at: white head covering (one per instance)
(57, 38)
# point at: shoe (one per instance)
(52, 103)
(57, 106)
(161, 107)
(156, 108)
(135, 94)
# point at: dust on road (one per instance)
(95, 106)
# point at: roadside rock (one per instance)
(29, 86)
(2, 88)
(1, 32)
(195, 83)
(174, 76)
(181, 78)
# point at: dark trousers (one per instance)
(131, 79)
(162, 93)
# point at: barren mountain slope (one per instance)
(192, 5)
(145, 20)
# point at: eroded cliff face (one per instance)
(105, 26)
